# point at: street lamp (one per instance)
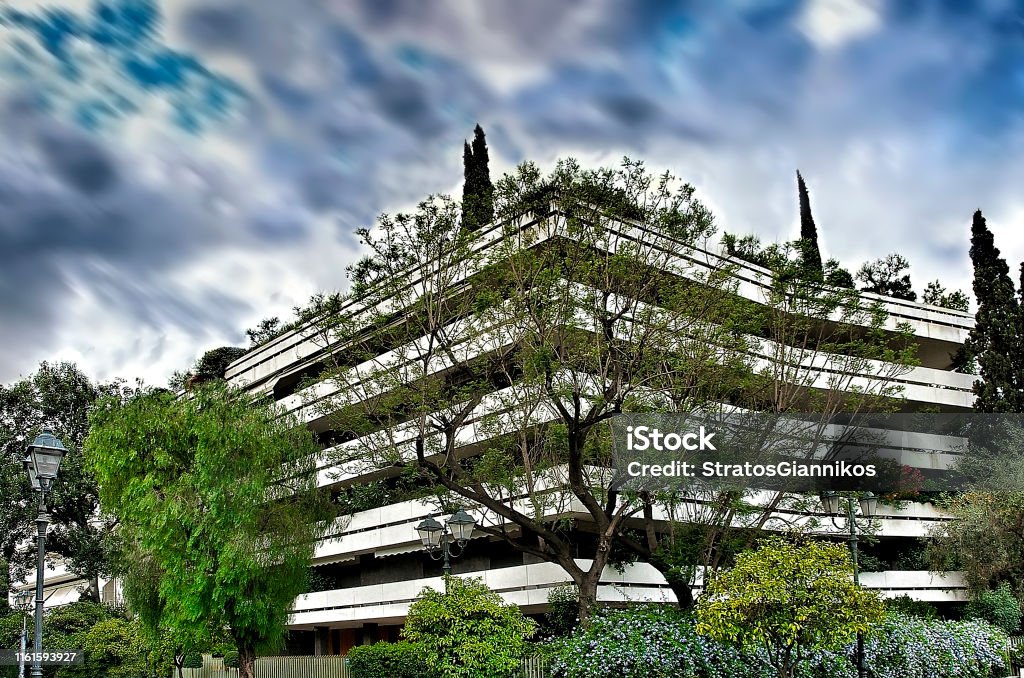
(438, 538)
(23, 601)
(42, 465)
(868, 506)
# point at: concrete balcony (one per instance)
(528, 587)
(939, 331)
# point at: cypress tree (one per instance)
(482, 167)
(808, 233)
(468, 189)
(477, 189)
(994, 341)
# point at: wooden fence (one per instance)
(317, 667)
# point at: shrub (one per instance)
(563, 610)
(648, 641)
(910, 647)
(113, 648)
(388, 660)
(192, 660)
(231, 659)
(997, 607)
(906, 605)
(468, 630)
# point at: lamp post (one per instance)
(42, 464)
(439, 539)
(868, 506)
(23, 601)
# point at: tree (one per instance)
(468, 630)
(789, 599)
(996, 606)
(995, 340)
(267, 329)
(882, 276)
(422, 355)
(808, 234)
(477, 189)
(935, 293)
(211, 365)
(59, 396)
(443, 341)
(984, 539)
(217, 494)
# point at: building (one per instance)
(371, 565)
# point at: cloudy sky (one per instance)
(172, 172)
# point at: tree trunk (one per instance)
(588, 596)
(246, 661)
(684, 594)
(92, 590)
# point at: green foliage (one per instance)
(211, 365)
(267, 329)
(192, 660)
(388, 660)
(994, 342)
(997, 607)
(652, 640)
(218, 510)
(468, 630)
(882, 276)
(477, 190)
(810, 252)
(655, 640)
(563, 610)
(115, 648)
(60, 396)
(909, 607)
(937, 295)
(911, 647)
(231, 659)
(984, 539)
(791, 600)
(214, 363)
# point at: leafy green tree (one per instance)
(984, 539)
(995, 340)
(791, 600)
(555, 432)
(217, 495)
(477, 189)
(882, 276)
(468, 630)
(60, 396)
(997, 606)
(937, 295)
(808, 234)
(267, 329)
(211, 365)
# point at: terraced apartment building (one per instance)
(371, 564)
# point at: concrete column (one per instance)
(369, 634)
(320, 640)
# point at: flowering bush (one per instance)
(653, 641)
(910, 647)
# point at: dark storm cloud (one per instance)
(78, 160)
(74, 219)
(361, 107)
